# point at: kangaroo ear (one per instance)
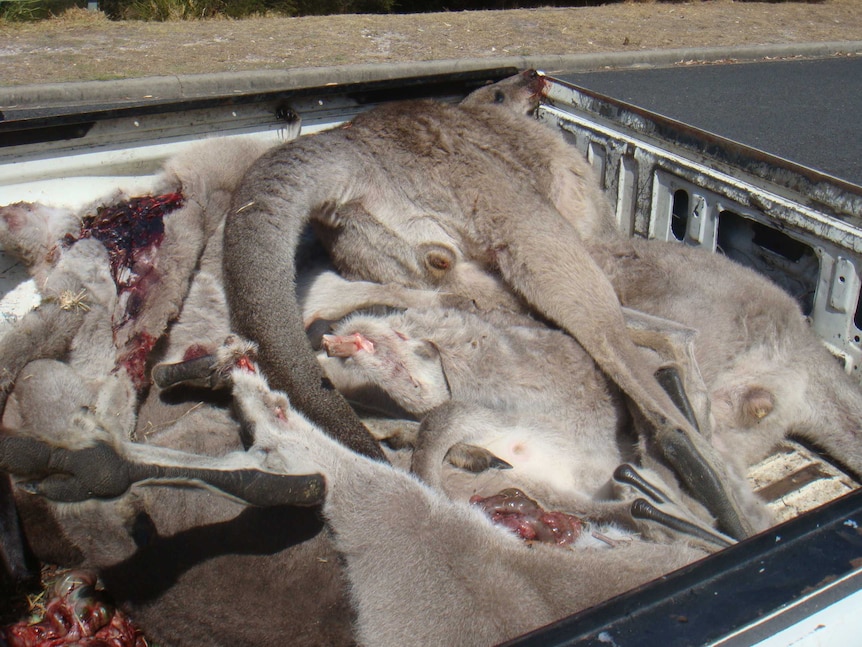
(472, 458)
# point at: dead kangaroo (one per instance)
(193, 566)
(441, 186)
(424, 570)
(767, 374)
(501, 390)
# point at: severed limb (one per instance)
(652, 511)
(684, 452)
(593, 317)
(200, 371)
(643, 509)
(625, 473)
(100, 471)
(209, 371)
(680, 452)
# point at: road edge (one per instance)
(167, 88)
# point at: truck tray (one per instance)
(667, 181)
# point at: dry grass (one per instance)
(82, 45)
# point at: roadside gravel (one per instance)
(85, 46)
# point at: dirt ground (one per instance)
(83, 45)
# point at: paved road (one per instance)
(806, 111)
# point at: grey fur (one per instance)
(526, 393)
(402, 541)
(84, 311)
(767, 374)
(441, 186)
(764, 374)
(187, 563)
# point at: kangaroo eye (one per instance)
(499, 97)
(439, 259)
(438, 262)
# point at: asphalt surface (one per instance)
(806, 111)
